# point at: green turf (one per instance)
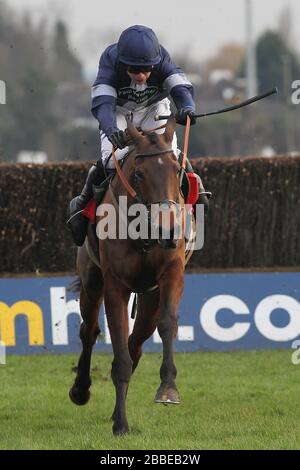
(238, 400)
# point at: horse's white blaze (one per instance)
(160, 161)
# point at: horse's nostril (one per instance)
(168, 244)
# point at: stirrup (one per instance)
(208, 194)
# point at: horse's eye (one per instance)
(139, 175)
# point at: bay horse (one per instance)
(127, 267)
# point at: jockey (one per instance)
(135, 76)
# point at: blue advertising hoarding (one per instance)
(218, 312)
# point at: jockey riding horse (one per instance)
(136, 76)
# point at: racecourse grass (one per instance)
(236, 400)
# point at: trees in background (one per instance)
(272, 123)
(65, 66)
(48, 98)
(273, 57)
(46, 91)
(229, 56)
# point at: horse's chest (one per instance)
(138, 275)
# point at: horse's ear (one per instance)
(170, 129)
(134, 133)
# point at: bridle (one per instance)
(161, 203)
(137, 195)
(146, 244)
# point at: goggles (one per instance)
(140, 68)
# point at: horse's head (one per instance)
(156, 180)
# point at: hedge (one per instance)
(253, 221)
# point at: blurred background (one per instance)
(49, 54)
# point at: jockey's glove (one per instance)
(118, 139)
(182, 114)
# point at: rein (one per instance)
(186, 142)
(146, 245)
(122, 177)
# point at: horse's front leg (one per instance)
(89, 330)
(171, 288)
(91, 296)
(116, 298)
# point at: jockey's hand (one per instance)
(118, 139)
(182, 114)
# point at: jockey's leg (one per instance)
(146, 120)
(77, 222)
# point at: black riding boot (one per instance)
(204, 196)
(77, 222)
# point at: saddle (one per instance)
(99, 192)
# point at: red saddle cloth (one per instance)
(194, 189)
(90, 210)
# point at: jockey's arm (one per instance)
(104, 93)
(104, 110)
(177, 84)
(183, 97)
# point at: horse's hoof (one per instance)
(79, 397)
(120, 430)
(167, 396)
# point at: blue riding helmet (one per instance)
(138, 45)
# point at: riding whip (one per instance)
(274, 91)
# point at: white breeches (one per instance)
(143, 118)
